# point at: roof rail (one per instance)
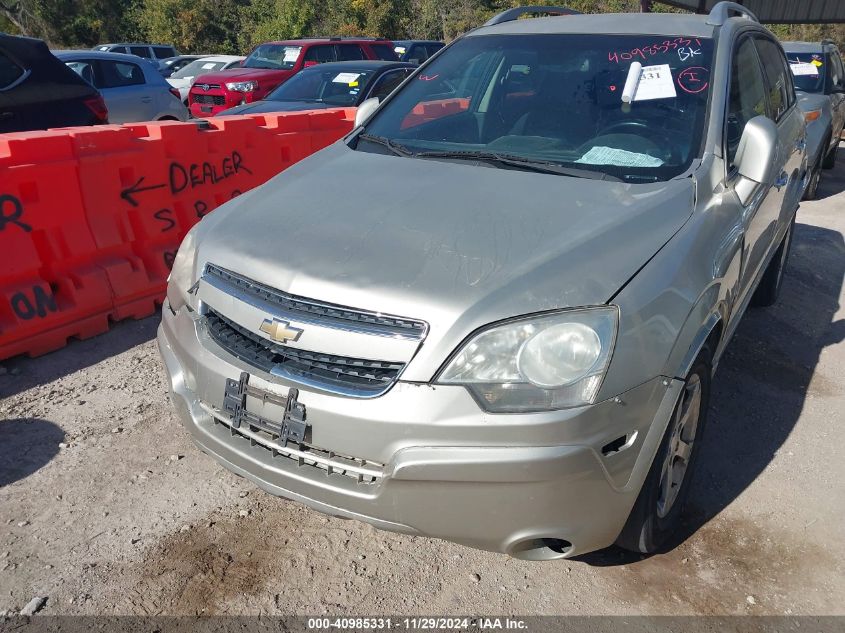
(515, 14)
(723, 11)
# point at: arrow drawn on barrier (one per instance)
(129, 193)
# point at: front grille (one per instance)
(306, 455)
(217, 100)
(316, 369)
(325, 313)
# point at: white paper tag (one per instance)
(346, 78)
(400, 50)
(291, 54)
(208, 65)
(801, 68)
(611, 156)
(655, 83)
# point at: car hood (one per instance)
(241, 74)
(275, 106)
(455, 244)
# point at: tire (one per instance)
(813, 186)
(767, 292)
(829, 161)
(659, 508)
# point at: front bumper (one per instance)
(445, 468)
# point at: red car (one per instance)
(273, 63)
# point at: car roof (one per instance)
(358, 64)
(125, 57)
(661, 24)
(806, 47)
(134, 44)
(220, 58)
(329, 40)
(405, 42)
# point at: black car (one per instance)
(37, 91)
(331, 85)
(416, 51)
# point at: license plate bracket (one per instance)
(292, 428)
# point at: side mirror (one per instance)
(365, 110)
(310, 63)
(755, 156)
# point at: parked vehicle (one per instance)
(331, 85)
(819, 78)
(38, 92)
(170, 65)
(133, 89)
(492, 312)
(271, 64)
(147, 51)
(416, 51)
(183, 79)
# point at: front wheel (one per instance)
(769, 289)
(813, 186)
(657, 513)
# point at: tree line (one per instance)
(235, 26)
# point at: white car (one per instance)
(183, 78)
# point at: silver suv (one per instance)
(492, 312)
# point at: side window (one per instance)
(85, 69)
(388, 83)
(140, 51)
(747, 96)
(777, 74)
(837, 80)
(163, 52)
(348, 52)
(121, 74)
(433, 48)
(418, 54)
(10, 72)
(384, 52)
(320, 54)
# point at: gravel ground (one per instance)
(107, 508)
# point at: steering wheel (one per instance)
(635, 127)
(644, 131)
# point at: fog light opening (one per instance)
(541, 549)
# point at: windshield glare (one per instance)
(558, 99)
(273, 56)
(808, 71)
(324, 86)
(198, 67)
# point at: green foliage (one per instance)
(235, 26)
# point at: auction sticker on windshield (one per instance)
(800, 68)
(346, 78)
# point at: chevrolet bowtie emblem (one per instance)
(280, 331)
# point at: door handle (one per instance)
(146, 99)
(5, 116)
(782, 180)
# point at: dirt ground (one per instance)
(107, 508)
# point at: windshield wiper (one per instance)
(396, 148)
(508, 160)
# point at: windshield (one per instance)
(335, 87)
(557, 100)
(808, 71)
(198, 67)
(273, 56)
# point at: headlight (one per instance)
(181, 276)
(554, 361)
(243, 86)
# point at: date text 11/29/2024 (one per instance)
(418, 623)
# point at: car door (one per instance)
(747, 100)
(125, 91)
(11, 74)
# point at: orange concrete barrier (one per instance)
(91, 218)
